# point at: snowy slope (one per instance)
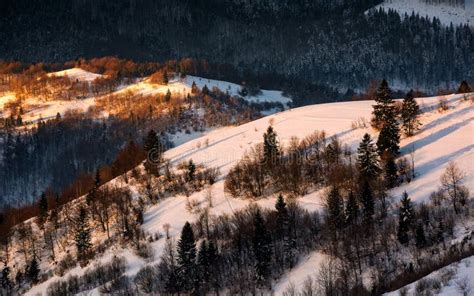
(36, 109)
(447, 14)
(463, 272)
(77, 74)
(444, 137)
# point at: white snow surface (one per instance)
(444, 137)
(77, 74)
(464, 270)
(446, 13)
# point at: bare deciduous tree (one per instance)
(452, 184)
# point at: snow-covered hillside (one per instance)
(447, 14)
(444, 137)
(37, 109)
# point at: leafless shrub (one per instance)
(359, 123)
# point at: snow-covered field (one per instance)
(447, 14)
(77, 74)
(444, 137)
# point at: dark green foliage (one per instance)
(43, 209)
(391, 172)
(5, 281)
(270, 147)
(82, 235)
(205, 90)
(191, 171)
(33, 271)
(186, 259)
(262, 250)
(420, 237)
(154, 151)
(351, 211)
(367, 202)
(409, 114)
(335, 209)
(367, 159)
(405, 219)
(383, 108)
(389, 138)
(464, 87)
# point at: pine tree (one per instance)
(405, 219)
(6, 282)
(335, 209)
(420, 237)
(409, 114)
(187, 259)
(213, 257)
(204, 264)
(165, 77)
(33, 271)
(464, 87)
(384, 106)
(262, 250)
(282, 216)
(389, 138)
(83, 235)
(194, 88)
(191, 171)
(367, 159)
(167, 98)
(351, 212)
(391, 177)
(270, 147)
(284, 232)
(43, 210)
(205, 90)
(367, 202)
(154, 152)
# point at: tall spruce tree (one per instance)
(82, 236)
(391, 172)
(270, 147)
(464, 88)
(384, 106)
(367, 159)
(213, 257)
(389, 138)
(409, 114)
(405, 219)
(335, 209)
(204, 264)
(262, 250)
(165, 77)
(351, 210)
(284, 231)
(186, 259)
(167, 97)
(33, 271)
(367, 202)
(43, 210)
(191, 171)
(154, 152)
(420, 238)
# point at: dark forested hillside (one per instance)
(322, 42)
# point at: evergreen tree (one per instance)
(389, 138)
(405, 219)
(204, 264)
(205, 90)
(282, 215)
(191, 171)
(335, 209)
(167, 98)
(391, 176)
(464, 87)
(165, 77)
(409, 114)
(187, 259)
(367, 159)
(384, 108)
(351, 212)
(270, 147)
(33, 271)
(154, 152)
(284, 232)
(83, 235)
(262, 250)
(213, 257)
(194, 88)
(367, 202)
(6, 282)
(43, 210)
(420, 237)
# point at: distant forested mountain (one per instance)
(323, 42)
